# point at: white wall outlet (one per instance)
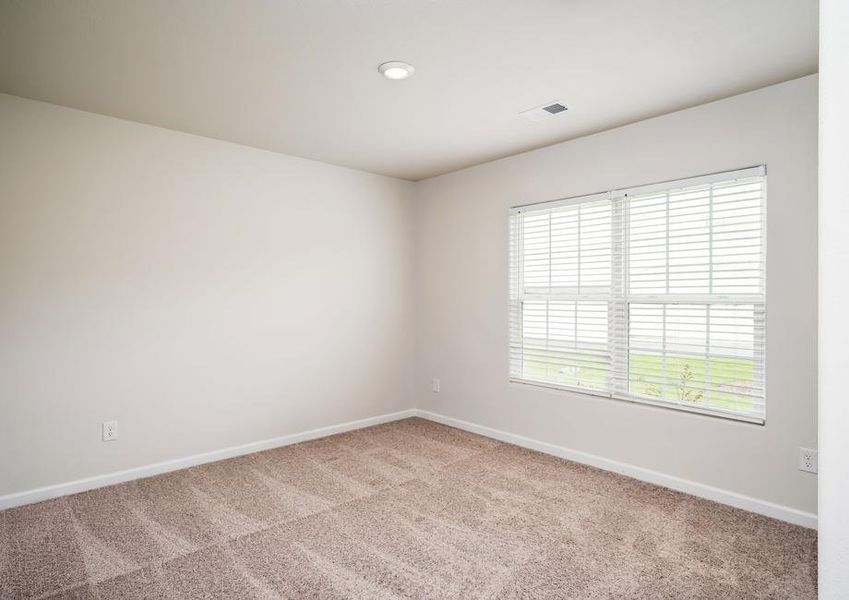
(435, 385)
(808, 460)
(110, 431)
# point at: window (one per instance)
(652, 294)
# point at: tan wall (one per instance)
(462, 293)
(204, 294)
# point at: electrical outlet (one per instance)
(435, 385)
(110, 431)
(808, 460)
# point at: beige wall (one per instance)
(208, 295)
(203, 294)
(462, 293)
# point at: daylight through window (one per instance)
(652, 294)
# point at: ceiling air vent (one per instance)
(543, 112)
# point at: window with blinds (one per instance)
(652, 294)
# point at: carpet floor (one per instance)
(410, 509)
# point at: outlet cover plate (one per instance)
(808, 460)
(110, 431)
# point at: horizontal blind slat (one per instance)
(652, 294)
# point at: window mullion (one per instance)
(618, 313)
(707, 384)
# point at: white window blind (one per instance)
(653, 294)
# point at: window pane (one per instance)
(565, 342)
(702, 355)
(536, 250)
(698, 240)
(653, 294)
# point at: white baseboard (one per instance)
(98, 481)
(763, 507)
(770, 509)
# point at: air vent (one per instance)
(545, 111)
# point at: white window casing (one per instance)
(652, 294)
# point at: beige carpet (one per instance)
(410, 509)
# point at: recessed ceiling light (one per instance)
(396, 70)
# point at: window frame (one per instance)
(620, 294)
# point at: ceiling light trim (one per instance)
(395, 70)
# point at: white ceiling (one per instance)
(300, 76)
